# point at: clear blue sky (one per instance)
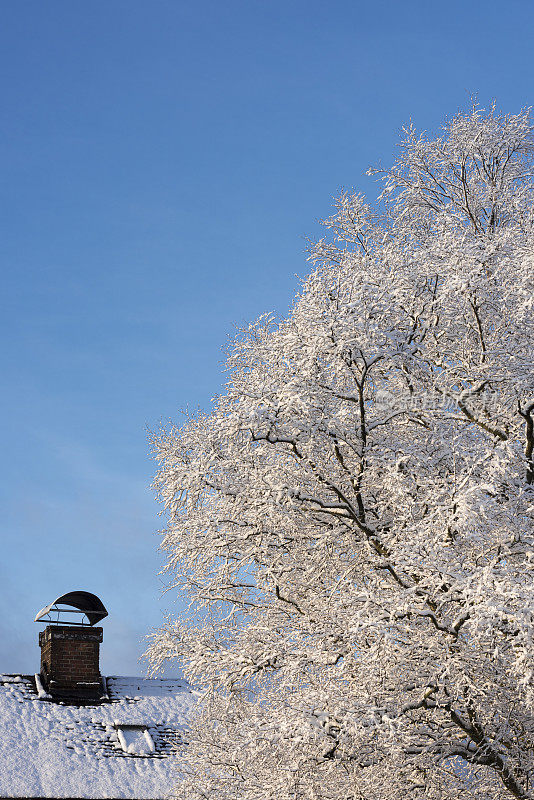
(161, 165)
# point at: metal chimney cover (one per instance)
(87, 603)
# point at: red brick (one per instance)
(68, 655)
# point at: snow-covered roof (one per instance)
(120, 749)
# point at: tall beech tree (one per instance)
(353, 522)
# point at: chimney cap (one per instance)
(84, 602)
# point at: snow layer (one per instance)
(51, 750)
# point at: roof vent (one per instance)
(88, 605)
(135, 740)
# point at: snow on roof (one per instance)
(56, 750)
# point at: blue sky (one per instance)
(162, 164)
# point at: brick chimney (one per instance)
(70, 661)
(69, 653)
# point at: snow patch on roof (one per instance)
(51, 750)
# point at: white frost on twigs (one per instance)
(353, 521)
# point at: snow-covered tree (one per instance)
(353, 522)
